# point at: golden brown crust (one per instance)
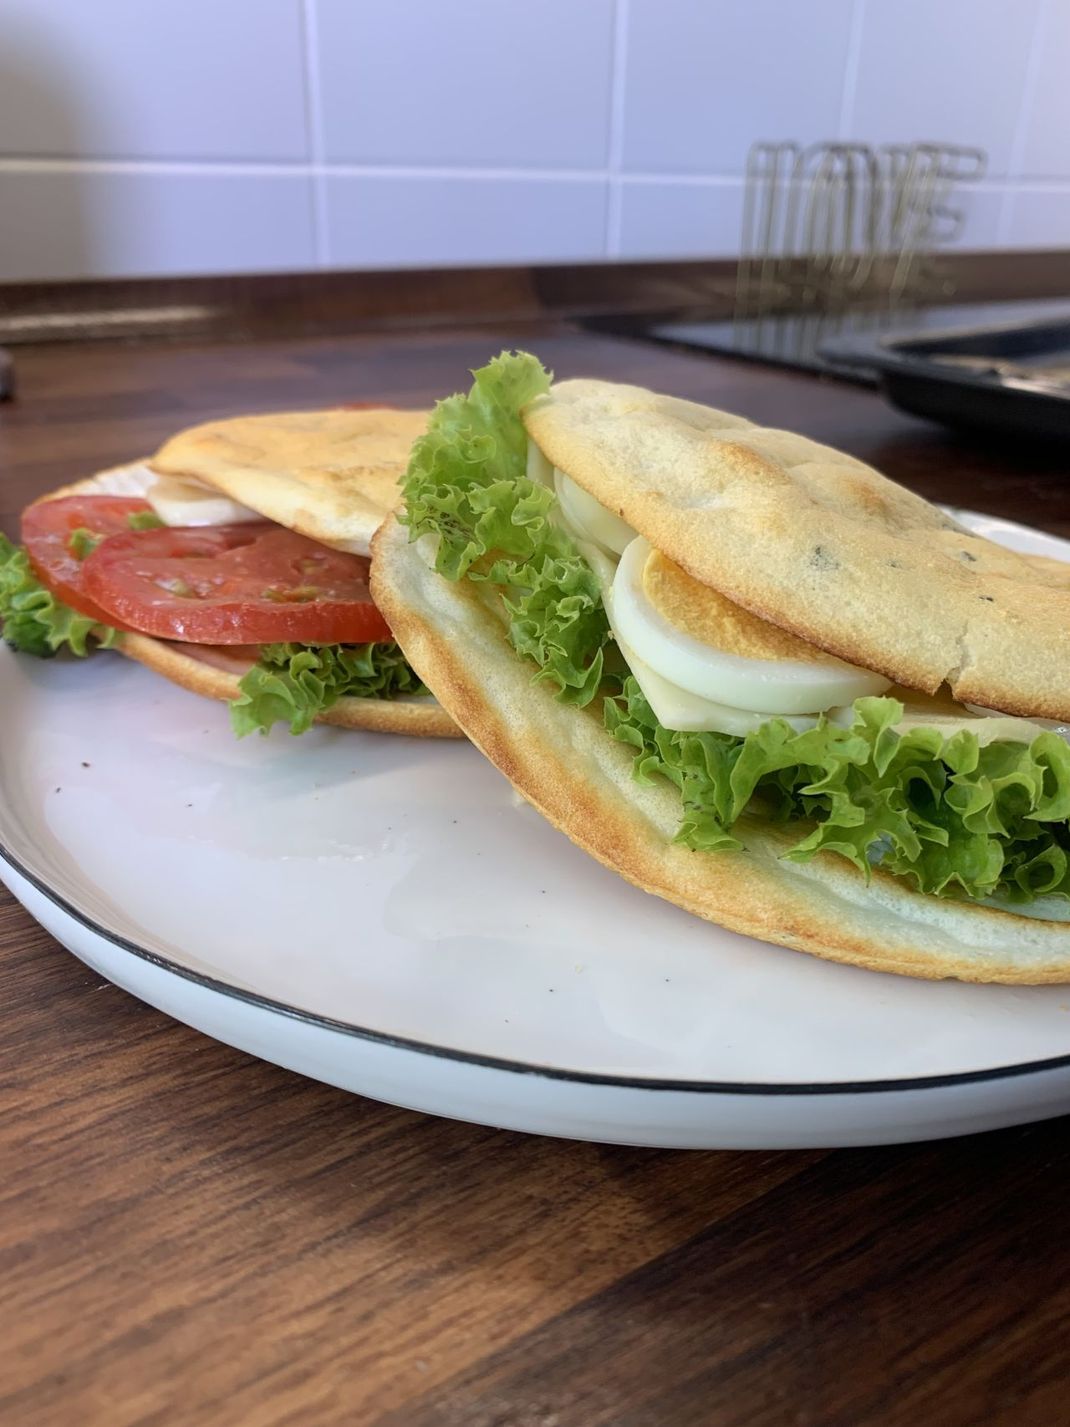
(820, 544)
(331, 475)
(420, 717)
(565, 764)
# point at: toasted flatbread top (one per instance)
(820, 544)
(331, 475)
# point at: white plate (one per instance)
(383, 914)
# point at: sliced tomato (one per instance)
(234, 584)
(47, 530)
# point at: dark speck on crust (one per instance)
(894, 565)
(820, 559)
(988, 599)
(965, 555)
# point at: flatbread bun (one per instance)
(331, 475)
(820, 544)
(563, 762)
(423, 717)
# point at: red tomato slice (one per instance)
(46, 532)
(234, 584)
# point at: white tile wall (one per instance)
(135, 223)
(152, 79)
(951, 70)
(380, 221)
(502, 83)
(1031, 211)
(1045, 127)
(676, 218)
(982, 207)
(174, 136)
(698, 77)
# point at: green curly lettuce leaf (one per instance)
(292, 683)
(34, 621)
(952, 817)
(467, 486)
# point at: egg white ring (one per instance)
(776, 686)
(539, 470)
(589, 518)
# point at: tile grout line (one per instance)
(276, 169)
(209, 168)
(1017, 153)
(850, 68)
(271, 168)
(614, 189)
(314, 122)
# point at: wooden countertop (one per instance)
(189, 1235)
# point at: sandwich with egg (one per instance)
(235, 563)
(746, 671)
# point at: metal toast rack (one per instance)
(838, 229)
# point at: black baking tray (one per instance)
(1011, 377)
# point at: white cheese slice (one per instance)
(987, 727)
(185, 502)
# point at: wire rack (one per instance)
(831, 225)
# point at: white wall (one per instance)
(178, 136)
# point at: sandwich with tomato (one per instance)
(234, 562)
(746, 671)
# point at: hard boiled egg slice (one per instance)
(675, 708)
(706, 645)
(589, 519)
(178, 501)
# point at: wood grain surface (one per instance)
(188, 1235)
(262, 306)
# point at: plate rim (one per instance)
(774, 1088)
